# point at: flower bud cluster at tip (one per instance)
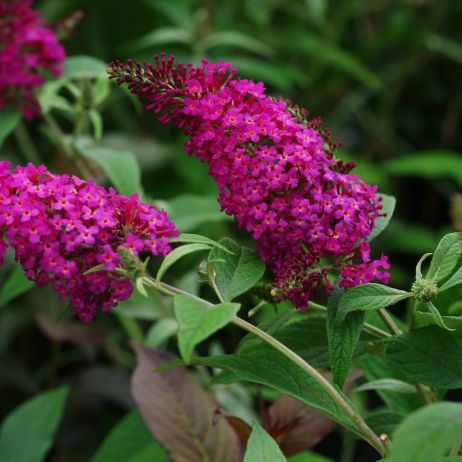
(28, 51)
(61, 226)
(274, 173)
(424, 290)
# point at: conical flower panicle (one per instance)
(61, 226)
(274, 172)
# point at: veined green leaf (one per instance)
(198, 321)
(27, 433)
(130, 441)
(369, 297)
(235, 272)
(430, 356)
(454, 280)
(261, 447)
(445, 257)
(388, 207)
(198, 239)
(427, 433)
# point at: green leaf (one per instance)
(84, 67)
(436, 316)
(189, 212)
(130, 441)
(160, 332)
(14, 286)
(427, 164)
(445, 46)
(454, 280)
(418, 268)
(28, 432)
(395, 385)
(198, 321)
(178, 253)
(271, 368)
(261, 447)
(160, 36)
(121, 167)
(9, 119)
(377, 367)
(388, 207)
(445, 257)
(237, 272)
(427, 433)
(369, 297)
(237, 39)
(308, 456)
(384, 421)
(430, 356)
(198, 239)
(343, 337)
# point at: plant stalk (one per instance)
(363, 428)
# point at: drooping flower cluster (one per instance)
(61, 226)
(274, 171)
(28, 50)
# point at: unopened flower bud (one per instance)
(424, 290)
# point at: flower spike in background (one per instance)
(61, 227)
(28, 51)
(275, 173)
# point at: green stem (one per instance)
(371, 329)
(456, 448)
(335, 395)
(388, 321)
(412, 312)
(26, 145)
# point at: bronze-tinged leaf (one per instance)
(297, 427)
(179, 413)
(240, 427)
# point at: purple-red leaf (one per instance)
(179, 413)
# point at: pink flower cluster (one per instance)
(274, 172)
(28, 50)
(61, 226)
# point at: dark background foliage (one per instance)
(385, 76)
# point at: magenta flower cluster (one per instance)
(275, 175)
(61, 226)
(28, 50)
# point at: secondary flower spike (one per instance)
(28, 50)
(275, 173)
(61, 226)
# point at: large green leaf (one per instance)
(81, 67)
(427, 434)
(343, 337)
(9, 118)
(261, 447)
(237, 272)
(121, 168)
(369, 297)
(14, 286)
(197, 321)
(388, 207)
(271, 368)
(27, 433)
(130, 441)
(428, 164)
(445, 257)
(308, 456)
(454, 280)
(430, 356)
